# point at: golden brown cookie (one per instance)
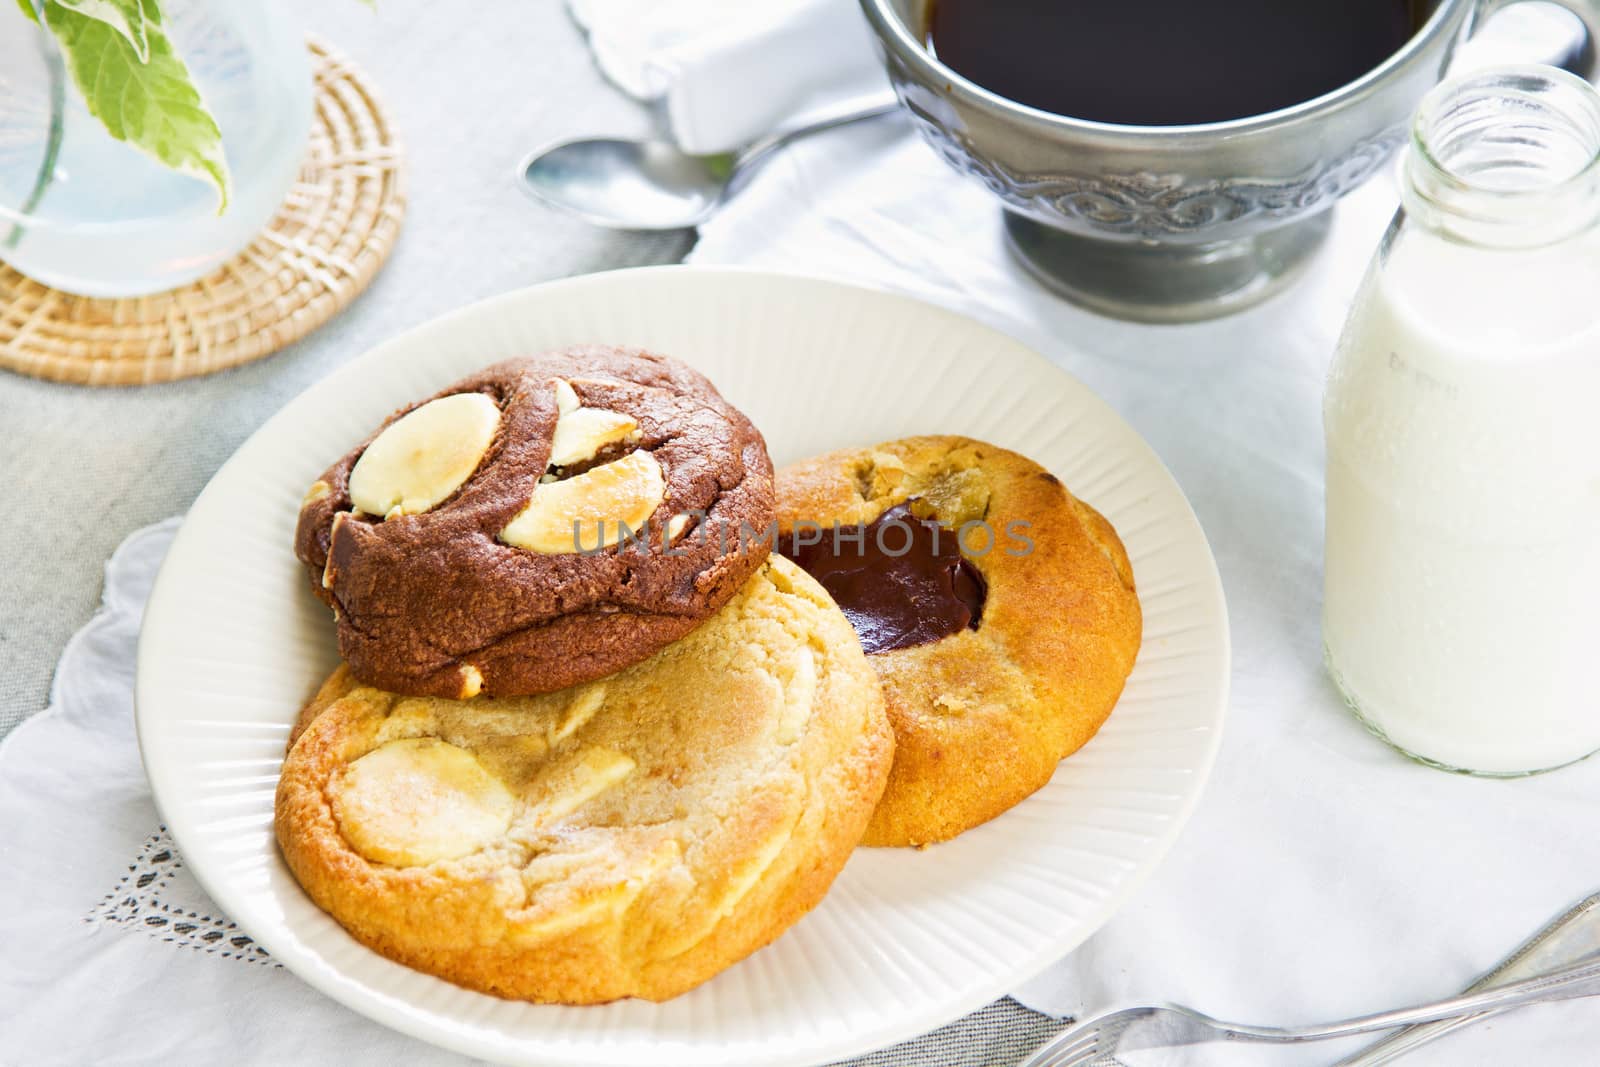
(544, 522)
(629, 837)
(997, 659)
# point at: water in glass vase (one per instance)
(88, 214)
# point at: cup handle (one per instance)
(1588, 11)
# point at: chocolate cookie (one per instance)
(544, 522)
(998, 610)
(628, 837)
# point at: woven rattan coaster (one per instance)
(334, 231)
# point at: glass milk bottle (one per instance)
(1461, 612)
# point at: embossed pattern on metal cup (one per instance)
(1172, 223)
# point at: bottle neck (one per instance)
(1506, 158)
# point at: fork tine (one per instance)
(1084, 1055)
(1079, 1050)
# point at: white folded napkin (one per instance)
(109, 951)
(727, 71)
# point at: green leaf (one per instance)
(27, 9)
(127, 17)
(152, 105)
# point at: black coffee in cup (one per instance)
(1168, 62)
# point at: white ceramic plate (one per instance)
(234, 643)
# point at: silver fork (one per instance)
(1095, 1041)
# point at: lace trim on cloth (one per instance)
(157, 895)
(160, 898)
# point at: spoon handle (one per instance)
(854, 109)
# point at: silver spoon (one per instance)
(652, 185)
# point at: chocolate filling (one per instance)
(900, 580)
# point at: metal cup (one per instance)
(1173, 223)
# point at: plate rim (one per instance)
(394, 1012)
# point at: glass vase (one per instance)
(85, 213)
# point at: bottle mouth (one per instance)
(1508, 156)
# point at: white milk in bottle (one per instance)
(1461, 611)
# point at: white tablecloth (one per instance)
(111, 954)
(1323, 875)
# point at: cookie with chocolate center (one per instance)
(544, 522)
(998, 610)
